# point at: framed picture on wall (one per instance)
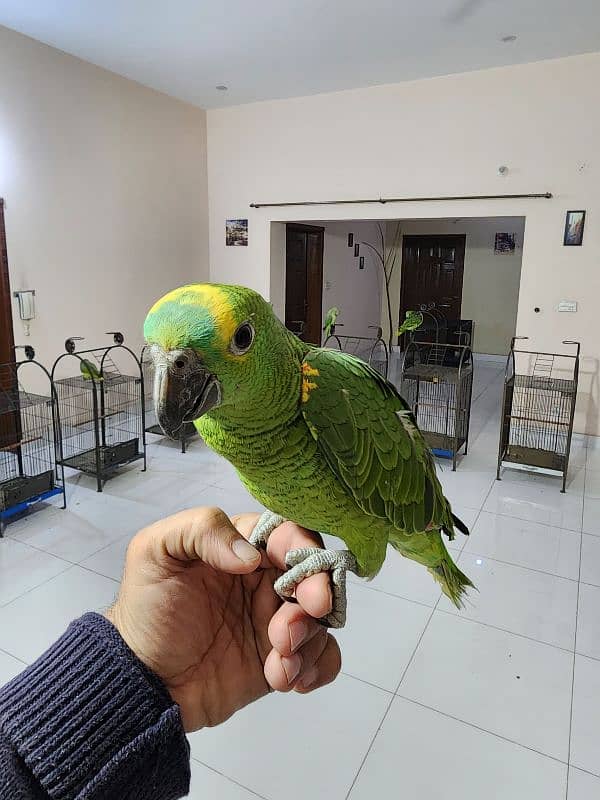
(574, 228)
(236, 232)
(504, 244)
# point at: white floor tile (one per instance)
(519, 600)
(405, 578)
(9, 667)
(22, 568)
(32, 622)
(380, 636)
(591, 516)
(109, 561)
(585, 730)
(325, 734)
(588, 622)
(233, 500)
(206, 784)
(503, 683)
(592, 483)
(423, 755)
(590, 559)
(529, 500)
(465, 487)
(582, 785)
(526, 544)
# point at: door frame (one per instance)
(302, 228)
(459, 238)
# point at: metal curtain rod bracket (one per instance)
(384, 200)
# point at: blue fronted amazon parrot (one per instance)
(316, 435)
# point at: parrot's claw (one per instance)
(308, 561)
(265, 526)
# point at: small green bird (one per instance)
(316, 435)
(330, 319)
(412, 321)
(89, 370)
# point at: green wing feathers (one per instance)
(371, 442)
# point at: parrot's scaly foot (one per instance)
(265, 526)
(308, 561)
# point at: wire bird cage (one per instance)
(187, 431)
(538, 407)
(100, 408)
(371, 349)
(30, 469)
(437, 383)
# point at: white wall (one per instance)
(431, 137)
(356, 292)
(490, 281)
(106, 195)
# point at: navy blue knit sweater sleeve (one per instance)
(88, 721)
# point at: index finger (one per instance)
(314, 593)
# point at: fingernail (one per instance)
(309, 679)
(298, 633)
(244, 550)
(291, 667)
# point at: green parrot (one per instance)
(89, 370)
(330, 319)
(316, 435)
(412, 321)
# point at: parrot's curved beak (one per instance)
(184, 389)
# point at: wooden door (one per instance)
(432, 273)
(304, 281)
(10, 432)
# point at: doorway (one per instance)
(432, 274)
(304, 281)
(10, 426)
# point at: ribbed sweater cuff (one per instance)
(88, 711)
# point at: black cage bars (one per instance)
(100, 408)
(371, 349)
(538, 408)
(30, 443)
(437, 383)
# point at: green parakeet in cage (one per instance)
(412, 321)
(316, 435)
(330, 319)
(89, 370)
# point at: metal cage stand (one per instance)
(101, 411)
(437, 383)
(30, 444)
(538, 409)
(371, 349)
(188, 431)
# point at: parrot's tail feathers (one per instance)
(454, 583)
(460, 525)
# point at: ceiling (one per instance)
(283, 48)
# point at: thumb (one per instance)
(204, 534)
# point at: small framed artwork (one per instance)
(504, 244)
(236, 232)
(574, 228)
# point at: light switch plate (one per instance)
(567, 305)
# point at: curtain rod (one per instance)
(384, 200)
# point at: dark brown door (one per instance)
(304, 281)
(9, 414)
(432, 274)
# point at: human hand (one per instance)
(197, 606)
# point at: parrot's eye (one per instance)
(242, 339)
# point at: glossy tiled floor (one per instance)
(495, 701)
